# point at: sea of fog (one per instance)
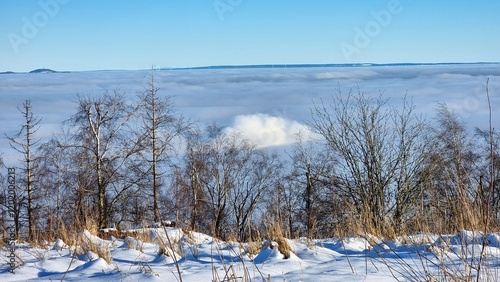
(268, 105)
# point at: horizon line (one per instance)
(255, 66)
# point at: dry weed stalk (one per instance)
(167, 248)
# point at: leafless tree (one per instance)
(313, 182)
(196, 164)
(160, 125)
(379, 154)
(13, 199)
(52, 176)
(218, 179)
(490, 171)
(101, 131)
(188, 198)
(225, 178)
(24, 142)
(451, 170)
(256, 175)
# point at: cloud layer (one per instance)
(268, 106)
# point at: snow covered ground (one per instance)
(203, 258)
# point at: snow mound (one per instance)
(96, 266)
(131, 243)
(163, 235)
(58, 245)
(88, 256)
(353, 244)
(494, 240)
(463, 237)
(89, 237)
(270, 254)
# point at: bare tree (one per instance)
(101, 125)
(225, 178)
(50, 177)
(374, 144)
(490, 172)
(13, 199)
(196, 164)
(160, 126)
(256, 174)
(451, 169)
(189, 198)
(24, 143)
(217, 180)
(313, 170)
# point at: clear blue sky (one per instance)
(121, 34)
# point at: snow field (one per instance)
(203, 258)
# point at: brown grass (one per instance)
(252, 248)
(102, 249)
(275, 234)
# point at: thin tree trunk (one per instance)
(154, 128)
(29, 173)
(309, 217)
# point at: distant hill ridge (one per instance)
(279, 66)
(42, 71)
(321, 65)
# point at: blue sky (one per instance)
(113, 34)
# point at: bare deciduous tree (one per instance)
(101, 132)
(313, 171)
(490, 172)
(451, 169)
(379, 155)
(256, 176)
(225, 177)
(53, 182)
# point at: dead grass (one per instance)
(101, 248)
(252, 248)
(275, 234)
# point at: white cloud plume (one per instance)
(264, 130)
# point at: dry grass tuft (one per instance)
(134, 244)
(144, 235)
(284, 247)
(252, 248)
(100, 248)
(276, 234)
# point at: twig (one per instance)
(173, 254)
(490, 192)
(69, 266)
